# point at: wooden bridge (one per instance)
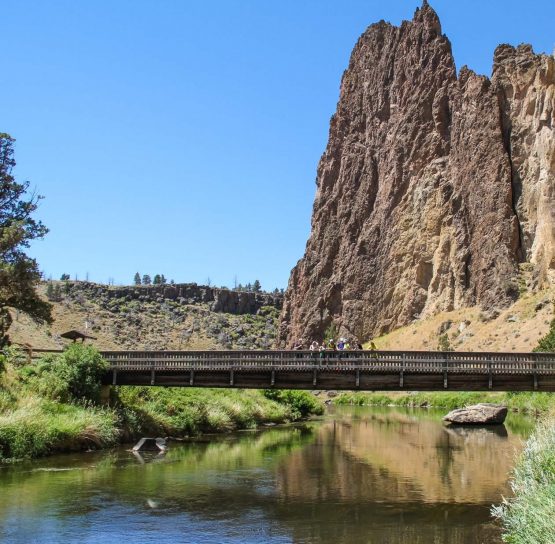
(347, 370)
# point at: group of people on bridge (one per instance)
(325, 348)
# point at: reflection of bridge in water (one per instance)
(348, 370)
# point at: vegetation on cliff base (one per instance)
(52, 405)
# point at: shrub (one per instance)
(301, 403)
(75, 375)
(547, 343)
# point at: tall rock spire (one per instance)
(414, 210)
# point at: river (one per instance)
(356, 475)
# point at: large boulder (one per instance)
(479, 414)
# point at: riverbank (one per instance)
(53, 405)
(521, 402)
(528, 517)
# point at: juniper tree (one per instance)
(146, 280)
(256, 287)
(157, 280)
(19, 274)
(137, 279)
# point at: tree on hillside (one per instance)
(157, 280)
(256, 287)
(547, 343)
(146, 280)
(19, 273)
(163, 280)
(64, 277)
(137, 279)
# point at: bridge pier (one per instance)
(105, 393)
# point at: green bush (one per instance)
(75, 375)
(301, 403)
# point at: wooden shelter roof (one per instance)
(77, 335)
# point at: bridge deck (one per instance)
(353, 370)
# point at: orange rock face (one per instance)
(432, 189)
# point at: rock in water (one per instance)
(479, 414)
(432, 188)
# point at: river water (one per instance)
(357, 475)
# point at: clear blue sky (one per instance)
(183, 137)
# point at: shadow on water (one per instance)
(356, 475)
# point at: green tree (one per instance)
(50, 291)
(256, 287)
(157, 280)
(146, 280)
(163, 280)
(443, 343)
(19, 274)
(137, 279)
(547, 343)
(64, 277)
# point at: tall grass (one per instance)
(36, 427)
(52, 405)
(528, 517)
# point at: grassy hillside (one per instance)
(517, 328)
(120, 323)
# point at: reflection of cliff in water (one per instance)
(399, 458)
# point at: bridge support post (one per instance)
(105, 395)
(231, 377)
(273, 378)
(314, 378)
(152, 377)
(358, 378)
(445, 383)
(402, 373)
(114, 377)
(192, 377)
(490, 375)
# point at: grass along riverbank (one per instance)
(521, 402)
(528, 517)
(52, 405)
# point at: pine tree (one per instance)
(19, 274)
(146, 280)
(256, 287)
(57, 293)
(137, 279)
(50, 291)
(64, 277)
(157, 280)
(163, 280)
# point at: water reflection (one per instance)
(359, 475)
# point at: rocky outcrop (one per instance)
(218, 300)
(525, 83)
(478, 414)
(420, 203)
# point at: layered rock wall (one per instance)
(432, 189)
(218, 300)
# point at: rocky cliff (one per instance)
(433, 188)
(217, 300)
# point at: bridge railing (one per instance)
(370, 361)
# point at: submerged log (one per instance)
(479, 414)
